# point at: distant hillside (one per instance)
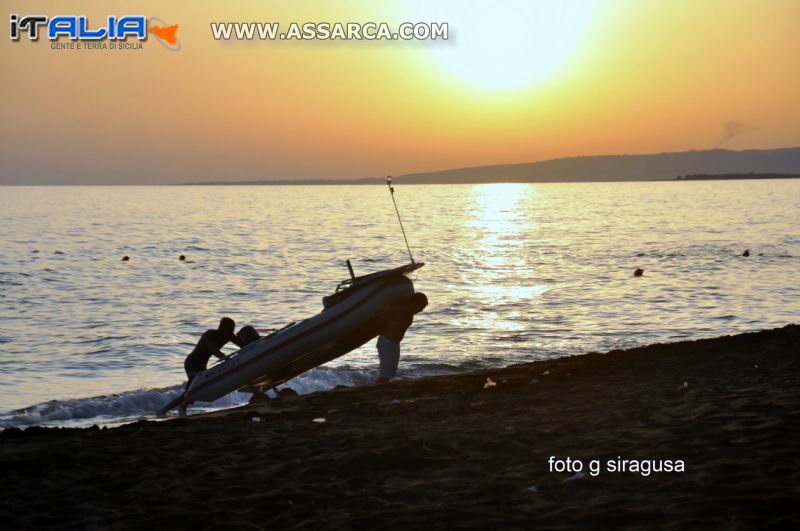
(660, 166)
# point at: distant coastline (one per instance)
(735, 176)
(712, 164)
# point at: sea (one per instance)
(514, 273)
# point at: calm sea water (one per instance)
(514, 273)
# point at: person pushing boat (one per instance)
(210, 344)
(395, 322)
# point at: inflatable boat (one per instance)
(350, 318)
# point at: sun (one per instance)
(508, 45)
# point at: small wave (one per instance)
(93, 340)
(130, 406)
(8, 278)
(140, 404)
(436, 369)
(95, 410)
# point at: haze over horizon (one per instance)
(528, 82)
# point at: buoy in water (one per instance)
(182, 258)
(126, 258)
(639, 272)
(746, 252)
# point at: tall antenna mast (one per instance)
(391, 189)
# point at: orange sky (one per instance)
(525, 82)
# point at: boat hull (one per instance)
(349, 323)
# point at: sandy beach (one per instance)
(451, 451)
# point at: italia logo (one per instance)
(78, 28)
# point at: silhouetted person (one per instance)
(395, 322)
(209, 345)
(639, 272)
(746, 252)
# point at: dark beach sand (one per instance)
(444, 451)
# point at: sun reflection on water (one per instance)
(502, 221)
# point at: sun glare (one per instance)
(511, 48)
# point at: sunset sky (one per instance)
(516, 82)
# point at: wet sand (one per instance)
(446, 451)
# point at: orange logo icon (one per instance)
(167, 34)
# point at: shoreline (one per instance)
(451, 450)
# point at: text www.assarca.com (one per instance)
(407, 31)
